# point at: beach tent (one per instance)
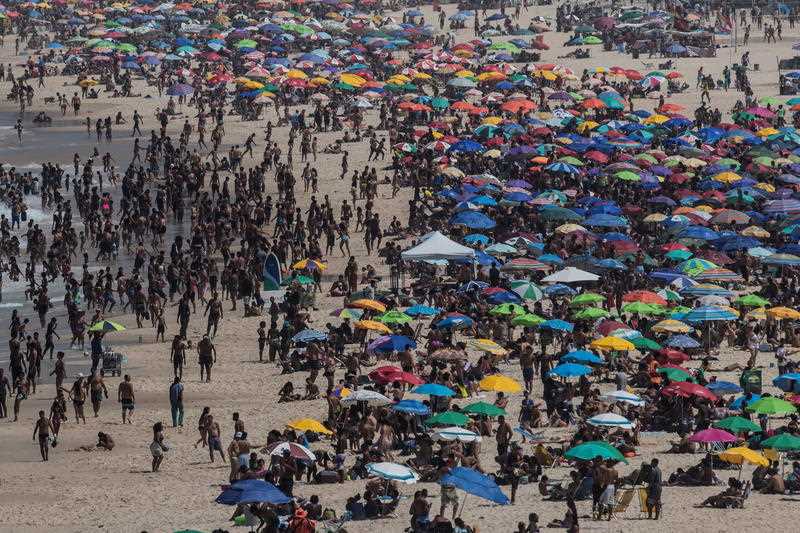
(437, 246)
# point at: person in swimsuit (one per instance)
(158, 447)
(126, 397)
(78, 396)
(58, 413)
(97, 388)
(43, 427)
(214, 441)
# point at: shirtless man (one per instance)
(43, 427)
(78, 396)
(177, 355)
(207, 356)
(126, 397)
(97, 388)
(214, 441)
(215, 314)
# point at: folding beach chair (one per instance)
(624, 499)
(643, 506)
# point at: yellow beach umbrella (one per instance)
(757, 314)
(492, 121)
(741, 455)
(656, 119)
(727, 177)
(613, 343)
(353, 79)
(372, 325)
(309, 424)
(488, 345)
(672, 326)
(781, 313)
(655, 217)
(756, 231)
(569, 228)
(296, 74)
(366, 303)
(465, 74)
(499, 383)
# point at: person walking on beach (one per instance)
(78, 396)
(206, 357)
(5, 389)
(158, 446)
(176, 402)
(97, 388)
(127, 398)
(43, 428)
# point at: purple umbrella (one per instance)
(712, 435)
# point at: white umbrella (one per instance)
(623, 396)
(298, 451)
(393, 471)
(456, 433)
(365, 395)
(570, 275)
(611, 420)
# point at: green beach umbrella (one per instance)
(507, 309)
(642, 308)
(643, 343)
(782, 442)
(771, 406)
(587, 298)
(394, 317)
(589, 450)
(737, 424)
(528, 319)
(678, 255)
(448, 418)
(674, 374)
(752, 300)
(483, 408)
(591, 313)
(527, 290)
(106, 326)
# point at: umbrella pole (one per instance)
(463, 504)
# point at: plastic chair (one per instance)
(644, 507)
(625, 498)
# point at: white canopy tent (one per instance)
(437, 246)
(570, 275)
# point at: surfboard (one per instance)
(272, 273)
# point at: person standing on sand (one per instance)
(78, 396)
(214, 441)
(97, 388)
(654, 491)
(126, 397)
(207, 356)
(43, 427)
(5, 389)
(58, 413)
(158, 447)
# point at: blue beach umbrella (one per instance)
(415, 407)
(433, 389)
(252, 491)
(570, 370)
(473, 482)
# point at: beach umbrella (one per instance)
(557, 325)
(610, 420)
(433, 389)
(587, 298)
(180, 89)
(312, 264)
(455, 320)
(588, 451)
(414, 407)
(488, 346)
(570, 370)
(370, 397)
(643, 343)
(106, 326)
(708, 314)
(449, 354)
(770, 405)
(615, 344)
(391, 343)
(710, 435)
(570, 275)
(455, 433)
(751, 300)
(393, 472)
(372, 325)
(499, 383)
(252, 491)
(782, 442)
(422, 310)
(507, 309)
(309, 335)
(671, 326)
(527, 290)
(528, 320)
(783, 313)
(675, 374)
(724, 387)
(394, 317)
(473, 482)
(581, 357)
(686, 389)
(298, 451)
(591, 313)
(747, 399)
(483, 409)
(742, 455)
(448, 418)
(682, 341)
(366, 303)
(309, 424)
(788, 382)
(737, 424)
(623, 396)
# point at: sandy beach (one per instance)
(80, 491)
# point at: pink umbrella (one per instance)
(712, 435)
